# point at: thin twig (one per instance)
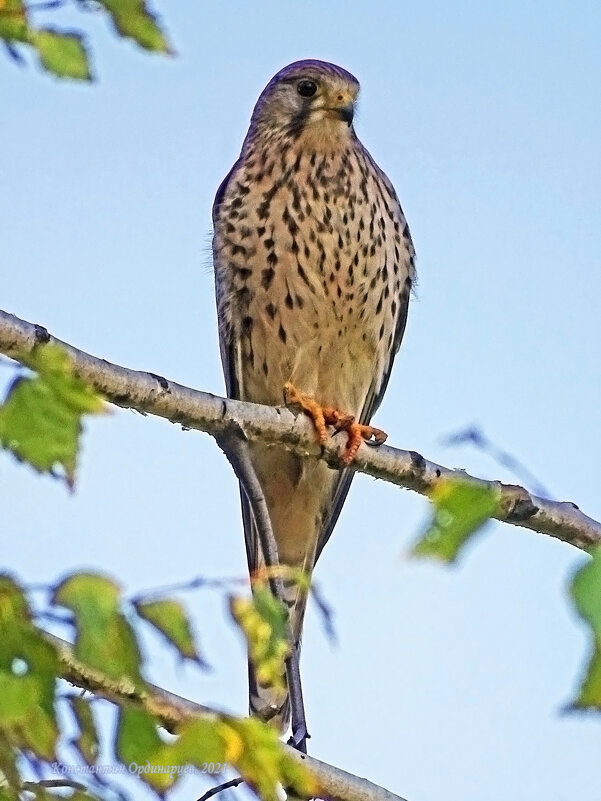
(53, 784)
(173, 710)
(53, 617)
(324, 608)
(476, 437)
(186, 586)
(221, 787)
(48, 5)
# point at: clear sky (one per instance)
(445, 683)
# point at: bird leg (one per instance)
(323, 416)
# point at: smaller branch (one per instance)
(172, 710)
(158, 702)
(13, 52)
(54, 784)
(198, 583)
(221, 787)
(52, 617)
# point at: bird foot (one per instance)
(323, 416)
(358, 433)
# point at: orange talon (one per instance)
(292, 397)
(356, 434)
(323, 416)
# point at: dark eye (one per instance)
(306, 88)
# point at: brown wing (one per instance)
(233, 386)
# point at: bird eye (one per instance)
(306, 88)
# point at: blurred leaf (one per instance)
(62, 53)
(13, 21)
(169, 617)
(87, 742)
(263, 619)
(104, 638)
(138, 742)
(251, 747)
(11, 780)
(28, 668)
(460, 508)
(132, 19)
(256, 752)
(586, 592)
(248, 745)
(40, 420)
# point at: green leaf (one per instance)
(250, 746)
(138, 742)
(40, 419)
(29, 666)
(87, 742)
(255, 751)
(263, 619)
(586, 592)
(460, 508)
(132, 19)
(247, 744)
(13, 21)
(62, 54)
(169, 617)
(104, 638)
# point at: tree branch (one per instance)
(153, 394)
(171, 710)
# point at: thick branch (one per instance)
(171, 710)
(150, 393)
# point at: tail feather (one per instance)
(269, 703)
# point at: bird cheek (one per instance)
(318, 114)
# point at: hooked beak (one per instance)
(345, 113)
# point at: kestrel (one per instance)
(314, 265)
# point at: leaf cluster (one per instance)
(34, 704)
(64, 52)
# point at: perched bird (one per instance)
(314, 265)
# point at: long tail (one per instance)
(267, 702)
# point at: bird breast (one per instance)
(310, 263)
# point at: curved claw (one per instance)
(357, 433)
(323, 416)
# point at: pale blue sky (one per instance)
(486, 116)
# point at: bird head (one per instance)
(311, 98)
